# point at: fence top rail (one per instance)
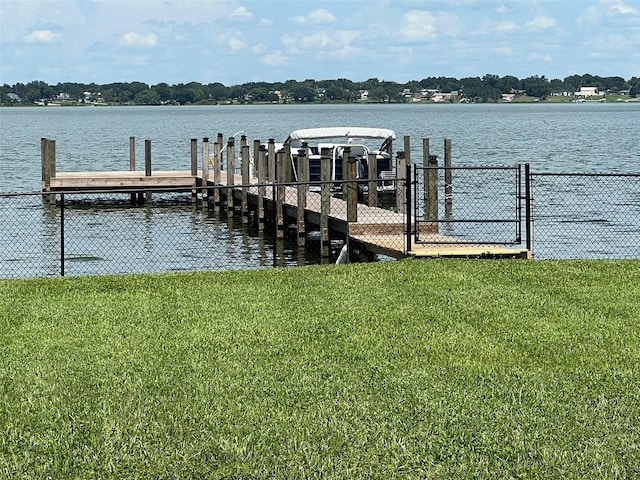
(467, 167)
(583, 174)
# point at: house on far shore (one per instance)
(587, 92)
(14, 97)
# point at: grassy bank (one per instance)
(413, 369)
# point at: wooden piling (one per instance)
(231, 166)
(271, 161)
(147, 158)
(401, 172)
(281, 158)
(325, 200)
(44, 158)
(217, 171)
(132, 162)
(147, 165)
(205, 169)
(48, 165)
(448, 178)
(303, 188)
(346, 153)
(132, 154)
(431, 187)
(286, 164)
(244, 168)
(262, 179)
(425, 172)
(194, 163)
(352, 190)
(256, 151)
(194, 156)
(372, 165)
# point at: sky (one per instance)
(239, 41)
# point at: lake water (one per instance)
(565, 137)
(590, 137)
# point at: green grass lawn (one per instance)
(411, 369)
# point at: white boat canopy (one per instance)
(344, 132)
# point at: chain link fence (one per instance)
(586, 215)
(471, 205)
(259, 226)
(135, 231)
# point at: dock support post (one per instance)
(205, 169)
(256, 150)
(409, 231)
(286, 164)
(231, 167)
(401, 171)
(431, 187)
(147, 165)
(244, 152)
(271, 160)
(346, 153)
(303, 188)
(281, 158)
(132, 162)
(352, 189)
(425, 174)
(217, 171)
(448, 178)
(372, 162)
(48, 161)
(262, 180)
(325, 200)
(44, 163)
(194, 163)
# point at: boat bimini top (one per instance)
(298, 136)
(345, 132)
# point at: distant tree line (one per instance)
(487, 88)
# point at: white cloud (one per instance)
(317, 17)
(289, 42)
(506, 27)
(505, 51)
(241, 12)
(236, 44)
(265, 22)
(620, 7)
(43, 36)
(609, 8)
(137, 40)
(321, 16)
(276, 59)
(419, 25)
(541, 22)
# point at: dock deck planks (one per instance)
(379, 230)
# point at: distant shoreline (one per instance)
(616, 100)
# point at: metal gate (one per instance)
(469, 205)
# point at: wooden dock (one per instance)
(367, 228)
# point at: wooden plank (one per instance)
(379, 230)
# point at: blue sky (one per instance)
(234, 42)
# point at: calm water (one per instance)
(574, 137)
(552, 138)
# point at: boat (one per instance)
(360, 140)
